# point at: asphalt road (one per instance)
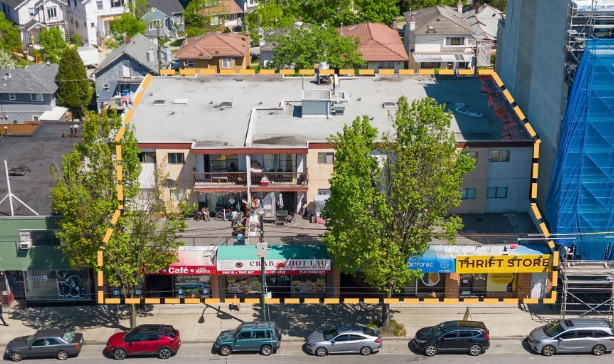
(395, 352)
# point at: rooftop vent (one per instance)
(180, 101)
(226, 104)
(389, 104)
(159, 102)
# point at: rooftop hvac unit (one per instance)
(25, 240)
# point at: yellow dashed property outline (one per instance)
(287, 301)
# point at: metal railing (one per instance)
(289, 178)
(257, 178)
(220, 178)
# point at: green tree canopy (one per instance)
(74, 88)
(10, 39)
(306, 46)
(146, 235)
(139, 8)
(376, 11)
(406, 5)
(7, 60)
(75, 38)
(127, 26)
(52, 43)
(198, 16)
(385, 209)
(267, 16)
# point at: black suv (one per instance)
(453, 336)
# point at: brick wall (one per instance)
(524, 285)
(452, 285)
(215, 288)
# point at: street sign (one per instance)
(262, 249)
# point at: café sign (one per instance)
(504, 264)
(274, 266)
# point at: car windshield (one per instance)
(330, 334)
(553, 329)
(68, 336)
(439, 330)
(236, 332)
(30, 339)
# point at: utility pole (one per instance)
(159, 50)
(477, 44)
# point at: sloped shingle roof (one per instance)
(223, 7)
(137, 49)
(487, 20)
(168, 7)
(441, 19)
(377, 42)
(214, 45)
(37, 78)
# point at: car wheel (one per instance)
(266, 350)
(430, 350)
(548, 350)
(164, 353)
(119, 354)
(62, 355)
(15, 356)
(321, 351)
(225, 351)
(366, 351)
(598, 350)
(475, 350)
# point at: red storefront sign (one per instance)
(193, 260)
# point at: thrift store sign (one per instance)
(504, 264)
(274, 266)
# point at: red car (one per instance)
(160, 340)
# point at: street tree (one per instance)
(330, 12)
(303, 47)
(267, 16)
(52, 43)
(10, 40)
(126, 27)
(7, 60)
(74, 88)
(139, 8)
(376, 11)
(391, 196)
(146, 234)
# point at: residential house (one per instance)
(91, 19)
(267, 44)
(247, 5)
(120, 73)
(33, 15)
(485, 19)
(440, 37)
(215, 51)
(29, 94)
(166, 15)
(380, 45)
(225, 14)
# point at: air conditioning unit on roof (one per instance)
(25, 240)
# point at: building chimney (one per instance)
(412, 24)
(394, 24)
(459, 7)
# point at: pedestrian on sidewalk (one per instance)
(1, 317)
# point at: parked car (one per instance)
(52, 343)
(453, 336)
(573, 336)
(161, 340)
(344, 339)
(263, 337)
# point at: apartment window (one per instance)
(468, 194)
(117, 3)
(92, 25)
(75, 1)
(154, 24)
(226, 62)
(190, 63)
(499, 156)
(99, 4)
(176, 158)
(496, 192)
(473, 155)
(12, 97)
(385, 65)
(148, 157)
(323, 192)
(106, 87)
(32, 11)
(36, 97)
(326, 158)
(52, 12)
(455, 41)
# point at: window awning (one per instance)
(281, 259)
(437, 57)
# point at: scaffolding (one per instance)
(586, 19)
(587, 289)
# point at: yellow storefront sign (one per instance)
(504, 264)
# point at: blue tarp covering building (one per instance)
(581, 196)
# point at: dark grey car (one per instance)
(344, 339)
(45, 344)
(573, 336)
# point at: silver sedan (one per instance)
(346, 339)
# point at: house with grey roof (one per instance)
(118, 76)
(440, 37)
(29, 94)
(166, 15)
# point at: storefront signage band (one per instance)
(504, 264)
(274, 266)
(176, 270)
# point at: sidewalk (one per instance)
(200, 323)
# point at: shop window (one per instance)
(496, 192)
(326, 158)
(468, 194)
(499, 156)
(471, 284)
(176, 158)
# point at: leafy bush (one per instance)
(395, 329)
(177, 43)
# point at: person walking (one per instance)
(1, 317)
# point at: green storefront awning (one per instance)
(281, 259)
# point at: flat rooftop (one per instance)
(40, 151)
(218, 111)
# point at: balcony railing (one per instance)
(217, 179)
